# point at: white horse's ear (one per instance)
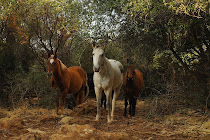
(103, 47)
(94, 45)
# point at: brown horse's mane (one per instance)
(63, 67)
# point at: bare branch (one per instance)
(39, 35)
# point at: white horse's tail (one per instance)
(86, 88)
(86, 91)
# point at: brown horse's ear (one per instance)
(134, 72)
(55, 56)
(56, 50)
(48, 54)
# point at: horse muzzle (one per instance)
(130, 78)
(49, 74)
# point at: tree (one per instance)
(29, 30)
(173, 35)
(179, 28)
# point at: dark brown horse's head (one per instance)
(130, 73)
(52, 62)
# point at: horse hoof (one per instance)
(109, 121)
(97, 120)
(97, 117)
(125, 114)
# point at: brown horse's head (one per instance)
(130, 72)
(52, 62)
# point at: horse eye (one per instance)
(102, 55)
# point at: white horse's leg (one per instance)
(116, 93)
(108, 93)
(98, 99)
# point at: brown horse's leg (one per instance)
(63, 100)
(78, 98)
(75, 99)
(83, 95)
(57, 102)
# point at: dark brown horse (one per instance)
(132, 85)
(72, 80)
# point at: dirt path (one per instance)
(27, 124)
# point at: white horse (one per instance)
(107, 76)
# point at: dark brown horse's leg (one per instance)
(130, 105)
(126, 104)
(133, 107)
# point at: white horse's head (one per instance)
(98, 57)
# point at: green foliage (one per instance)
(167, 40)
(20, 87)
(191, 8)
(40, 87)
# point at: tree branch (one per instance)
(178, 58)
(198, 44)
(39, 35)
(40, 60)
(171, 45)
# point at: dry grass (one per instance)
(183, 123)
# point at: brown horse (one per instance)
(132, 85)
(72, 80)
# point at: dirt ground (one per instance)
(26, 123)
